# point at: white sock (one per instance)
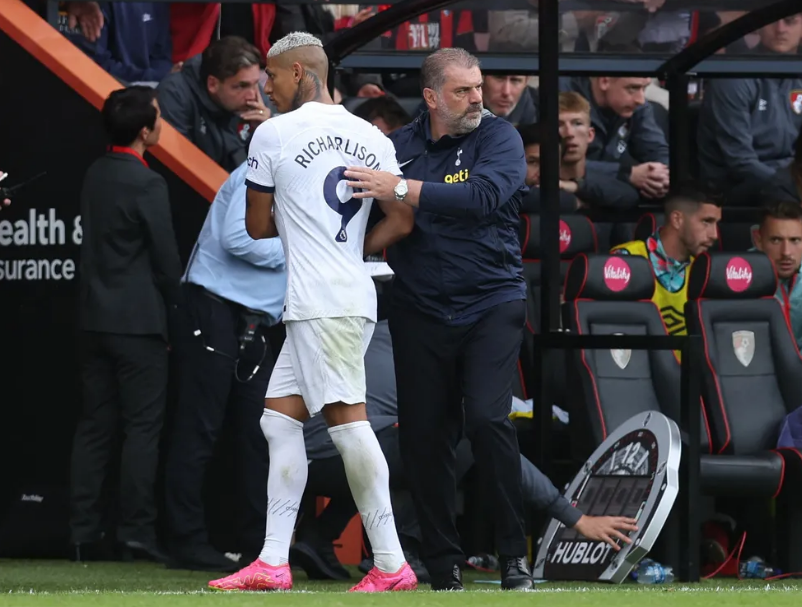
(285, 483)
(369, 480)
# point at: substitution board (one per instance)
(634, 473)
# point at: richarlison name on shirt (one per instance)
(315, 148)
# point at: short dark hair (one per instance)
(127, 111)
(783, 209)
(386, 108)
(690, 195)
(530, 133)
(225, 57)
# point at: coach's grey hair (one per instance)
(292, 41)
(433, 70)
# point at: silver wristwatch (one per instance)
(401, 190)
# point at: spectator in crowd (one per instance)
(465, 171)
(530, 136)
(215, 100)
(385, 113)
(233, 291)
(129, 275)
(748, 126)
(787, 182)
(313, 547)
(509, 97)
(780, 237)
(628, 143)
(691, 228)
(581, 187)
(590, 187)
(134, 44)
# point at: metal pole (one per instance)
(689, 487)
(549, 73)
(679, 136)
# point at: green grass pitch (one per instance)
(61, 583)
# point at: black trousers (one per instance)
(450, 379)
(208, 390)
(327, 478)
(124, 381)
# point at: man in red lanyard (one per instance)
(129, 273)
(780, 237)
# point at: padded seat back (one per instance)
(609, 294)
(752, 371)
(577, 235)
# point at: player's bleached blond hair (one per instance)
(292, 41)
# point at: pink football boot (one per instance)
(376, 581)
(257, 576)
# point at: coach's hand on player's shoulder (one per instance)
(257, 112)
(372, 184)
(606, 528)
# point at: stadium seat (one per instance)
(605, 294)
(751, 381)
(749, 349)
(577, 235)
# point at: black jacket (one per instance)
(186, 105)
(464, 254)
(129, 265)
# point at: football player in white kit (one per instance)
(297, 190)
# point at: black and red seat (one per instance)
(732, 307)
(577, 235)
(609, 294)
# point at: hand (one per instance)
(177, 67)
(651, 179)
(257, 112)
(88, 15)
(370, 90)
(569, 186)
(606, 528)
(372, 184)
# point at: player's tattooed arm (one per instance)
(259, 220)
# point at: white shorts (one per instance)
(323, 361)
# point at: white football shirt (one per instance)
(300, 157)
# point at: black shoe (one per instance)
(133, 550)
(418, 567)
(450, 582)
(515, 574)
(365, 565)
(318, 561)
(82, 552)
(201, 557)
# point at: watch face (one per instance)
(401, 188)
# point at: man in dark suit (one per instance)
(129, 273)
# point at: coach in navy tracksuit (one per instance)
(458, 309)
